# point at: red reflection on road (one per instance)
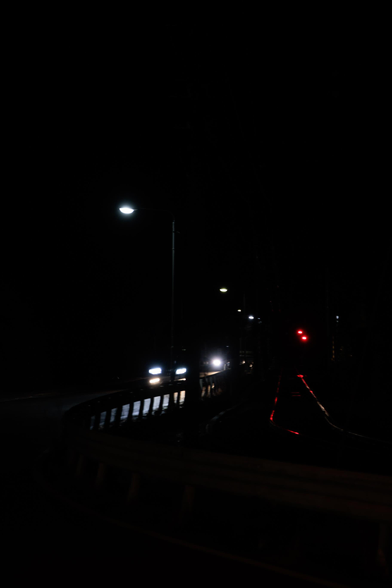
(273, 412)
(314, 395)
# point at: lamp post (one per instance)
(129, 210)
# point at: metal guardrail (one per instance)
(96, 456)
(108, 412)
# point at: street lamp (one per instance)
(129, 210)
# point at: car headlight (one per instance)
(155, 380)
(217, 362)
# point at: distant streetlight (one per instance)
(129, 210)
(223, 290)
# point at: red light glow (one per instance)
(314, 396)
(273, 412)
(299, 332)
(304, 338)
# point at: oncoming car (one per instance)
(215, 363)
(160, 375)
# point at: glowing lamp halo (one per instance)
(216, 362)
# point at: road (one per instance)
(299, 411)
(294, 425)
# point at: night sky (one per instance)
(270, 150)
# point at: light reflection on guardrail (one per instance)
(111, 411)
(107, 417)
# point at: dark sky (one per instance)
(270, 151)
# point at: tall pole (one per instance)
(128, 210)
(327, 315)
(172, 302)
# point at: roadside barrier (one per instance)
(108, 412)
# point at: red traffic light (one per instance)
(302, 335)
